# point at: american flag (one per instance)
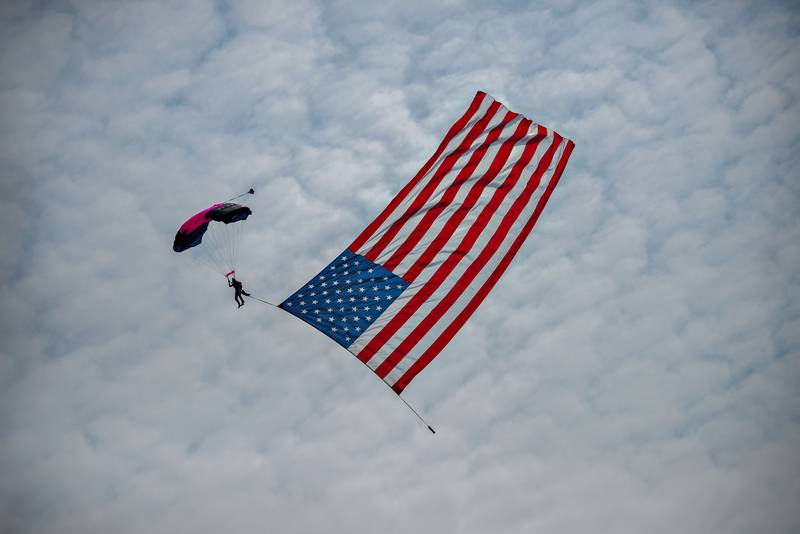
(400, 292)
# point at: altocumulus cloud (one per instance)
(636, 370)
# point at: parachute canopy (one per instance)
(222, 236)
(191, 232)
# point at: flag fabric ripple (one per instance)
(403, 288)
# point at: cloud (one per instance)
(636, 368)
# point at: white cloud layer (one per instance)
(636, 370)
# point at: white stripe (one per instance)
(422, 312)
(457, 272)
(442, 185)
(469, 292)
(430, 270)
(486, 195)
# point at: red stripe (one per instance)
(430, 187)
(427, 289)
(475, 267)
(469, 202)
(487, 286)
(432, 213)
(364, 236)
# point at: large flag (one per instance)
(400, 292)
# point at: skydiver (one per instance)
(238, 291)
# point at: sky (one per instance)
(637, 369)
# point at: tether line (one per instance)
(262, 300)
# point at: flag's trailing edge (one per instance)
(400, 292)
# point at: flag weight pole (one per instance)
(413, 410)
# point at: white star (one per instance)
(358, 329)
(333, 329)
(319, 320)
(335, 282)
(302, 311)
(370, 270)
(356, 318)
(310, 286)
(322, 277)
(339, 300)
(376, 298)
(361, 289)
(366, 308)
(364, 299)
(378, 308)
(314, 301)
(349, 289)
(368, 318)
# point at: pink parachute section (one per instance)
(196, 220)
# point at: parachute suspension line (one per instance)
(235, 239)
(230, 236)
(215, 252)
(206, 256)
(225, 234)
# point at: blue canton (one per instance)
(346, 297)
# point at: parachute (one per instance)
(213, 235)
